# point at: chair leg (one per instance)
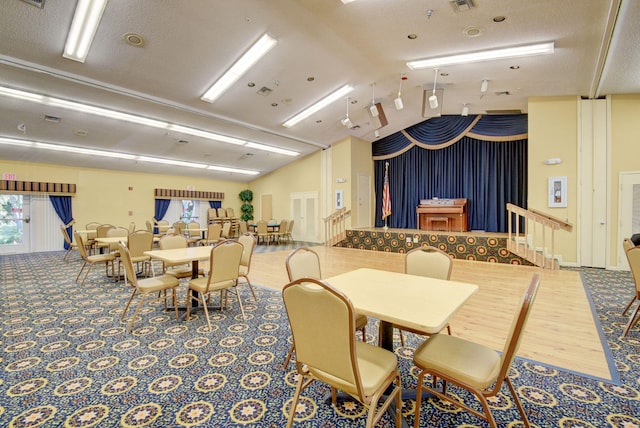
(86, 275)
(633, 320)
(525, 420)
(175, 301)
(416, 423)
(239, 300)
(188, 310)
(126, 308)
(81, 269)
(289, 355)
(204, 308)
(250, 286)
(135, 314)
(294, 402)
(629, 305)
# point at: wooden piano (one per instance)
(447, 215)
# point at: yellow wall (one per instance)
(553, 133)
(625, 156)
(361, 163)
(300, 176)
(104, 195)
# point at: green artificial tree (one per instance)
(246, 196)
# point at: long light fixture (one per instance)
(83, 28)
(140, 120)
(318, 106)
(246, 61)
(528, 50)
(103, 153)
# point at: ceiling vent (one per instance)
(506, 111)
(462, 5)
(264, 91)
(51, 119)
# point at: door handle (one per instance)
(27, 219)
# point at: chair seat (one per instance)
(185, 272)
(157, 283)
(97, 258)
(200, 285)
(450, 355)
(140, 259)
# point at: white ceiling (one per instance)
(190, 43)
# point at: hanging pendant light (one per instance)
(374, 108)
(398, 101)
(346, 121)
(433, 100)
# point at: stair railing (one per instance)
(335, 226)
(538, 226)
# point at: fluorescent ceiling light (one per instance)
(318, 106)
(537, 49)
(140, 120)
(235, 170)
(257, 51)
(83, 28)
(271, 149)
(103, 153)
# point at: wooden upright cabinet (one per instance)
(446, 215)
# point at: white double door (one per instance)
(304, 211)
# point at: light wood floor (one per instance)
(561, 331)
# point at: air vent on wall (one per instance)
(506, 111)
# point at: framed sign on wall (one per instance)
(339, 199)
(557, 192)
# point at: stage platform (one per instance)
(479, 246)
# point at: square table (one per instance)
(417, 302)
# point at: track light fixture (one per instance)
(346, 121)
(433, 100)
(465, 110)
(483, 87)
(373, 109)
(398, 101)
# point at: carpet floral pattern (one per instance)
(68, 361)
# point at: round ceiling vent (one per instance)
(134, 39)
(473, 31)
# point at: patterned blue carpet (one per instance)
(68, 361)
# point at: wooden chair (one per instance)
(262, 232)
(224, 265)
(633, 257)
(70, 244)
(476, 368)
(281, 234)
(145, 287)
(107, 259)
(138, 242)
(305, 263)
(101, 232)
(179, 227)
(430, 262)
(226, 230)
(116, 232)
(322, 321)
(193, 232)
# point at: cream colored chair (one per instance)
(226, 230)
(281, 234)
(179, 227)
(163, 227)
(430, 262)
(322, 321)
(476, 368)
(262, 232)
(71, 244)
(633, 257)
(178, 270)
(132, 227)
(193, 232)
(138, 242)
(222, 213)
(214, 232)
(305, 263)
(107, 259)
(230, 213)
(243, 228)
(145, 287)
(248, 242)
(289, 236)
(116, 232)
(101, 232)
(224, 265)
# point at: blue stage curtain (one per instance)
(62, 206)
(489, 174)
(215, 204)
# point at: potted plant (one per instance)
(246, 196)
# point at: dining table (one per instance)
(191, 255)
(416, 302)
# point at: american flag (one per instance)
(386, 195)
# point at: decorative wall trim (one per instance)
(188, 194)
(14, 186)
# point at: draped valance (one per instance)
(29, 187)
(439, 132)
(188, 194)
